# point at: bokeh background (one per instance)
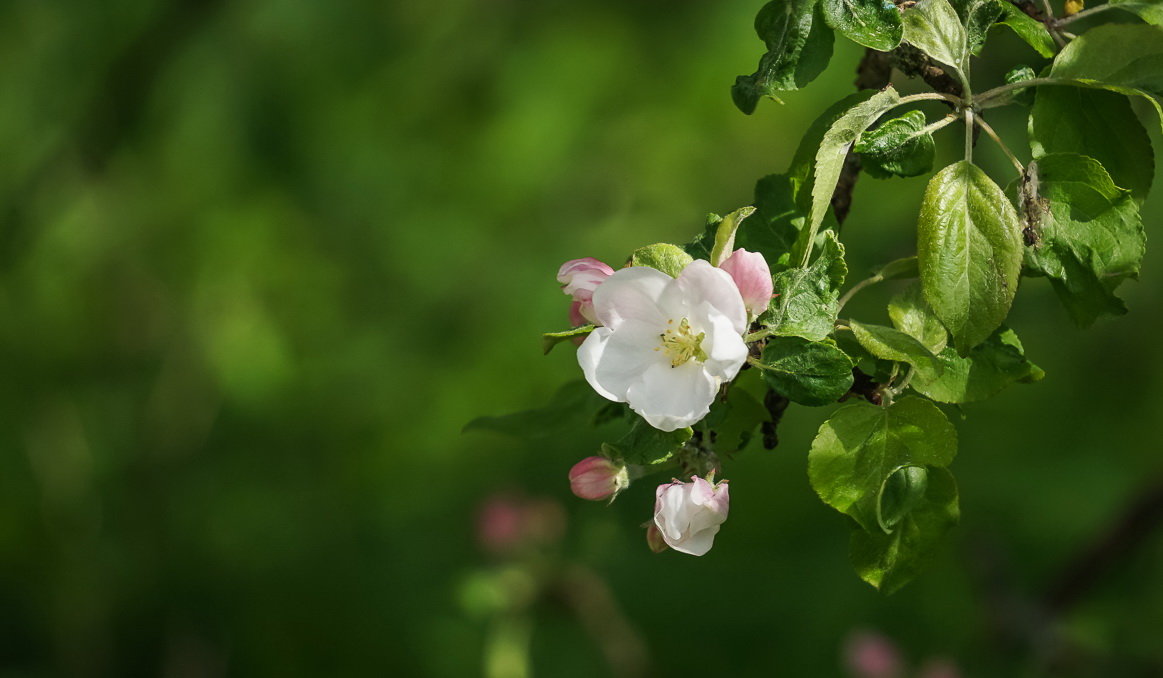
(261, 260)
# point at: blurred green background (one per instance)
(261, 260)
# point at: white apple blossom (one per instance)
(667, 343)
(688, 515)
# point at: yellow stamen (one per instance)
(682, 344)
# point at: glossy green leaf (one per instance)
(1029, 29)
(1098, 124)
(725, 234)
(773, 229)
(799, 46)
(830, 159)
(887, 343)
(808, 298)
(551, 339)
(911, 314)
(645, 445)
(806, 372)
(1150, 11)
(861, 445)
(1022, 97)
(870, 23)
(969, 247)
(888, 561)
(670, 259)
(934, 27)
(1124, 58)
(978, 16)
(1090, 235)
(734, 418)
(898, 147)
(989, 368)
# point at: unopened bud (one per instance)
(752, 276)
(580, 278)
(598, 478)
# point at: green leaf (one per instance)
(911, 314)
(889, 344)
(551, 339)
(670, 259)
(989, 368)
(725, 234)
(1029, 29)
(1091, 237)
(1101, 125)
(875, 24)
(799, 46)
(572, 407)
(969, 247)
(898, 147)
(978, 16)
(734, 418)
(889, 561)
(1124, 58)
(807, 372)
(808, 298)
(1022, 97)
(861, 445)
(897, 269)
(830, 160)
(934, 27)
(645, 445)
(1150, 11)
(773, 230)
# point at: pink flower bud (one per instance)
(580, 278)
(688, 515)
(752, 276)
(871, 655)
(597, 478)
(654, 539)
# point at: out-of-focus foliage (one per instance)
(260, 261)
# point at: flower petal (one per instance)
(631, 293)
(627, 355)
(700, 282)
(670, 398)
(589, 356)
(725, 348)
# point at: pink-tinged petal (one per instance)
(631, 293)
(576, 317)
(700, 282)
(701, 490)
(752, 276)
(670, 397)
(584, 266)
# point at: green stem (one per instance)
(985, 99)
(933, 127)
(1083, 14)
(756, 336)
(859, 286)
(1001, 144)
(968, 135)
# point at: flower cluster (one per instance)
(665, 346)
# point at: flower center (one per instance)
(681, 344)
